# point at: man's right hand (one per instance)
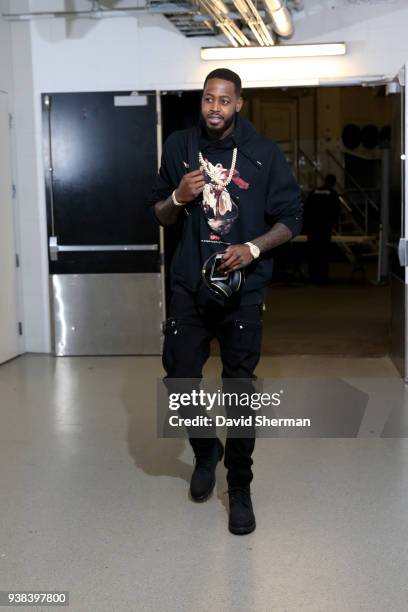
(191, 185)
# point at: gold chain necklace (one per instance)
(213, 175)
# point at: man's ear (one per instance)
(239, 104)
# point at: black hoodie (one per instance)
(262, 192)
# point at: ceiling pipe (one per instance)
(220, 13)
(252, 18)
(165, 7)
(216, 9)
(280, 16)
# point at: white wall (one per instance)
(31, 213)
(5, 56)
(148, 53)
(8, 295)
(11, 278)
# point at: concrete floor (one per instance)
(92, 502)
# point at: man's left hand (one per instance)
(236, 256)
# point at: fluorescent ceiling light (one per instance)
(277, 83)
(235, 53)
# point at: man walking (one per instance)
(239, 200)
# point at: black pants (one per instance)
(188, 332)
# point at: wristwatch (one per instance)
(255, 252)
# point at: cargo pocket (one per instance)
(185, 348)
(171, 331)
(240, 345)
(247, 335)
(170, 326)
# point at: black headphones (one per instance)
(226, 286)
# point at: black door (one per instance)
(101, 157)
(101, 161)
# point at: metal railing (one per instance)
(369, 203)
(355, 214)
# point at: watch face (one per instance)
(254, 250)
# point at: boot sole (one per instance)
(242, 530)
(208, 493)
(204, 497)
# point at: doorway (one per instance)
(342, 131)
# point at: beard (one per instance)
(217, 132)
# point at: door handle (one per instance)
(56, 248)
(402, 252)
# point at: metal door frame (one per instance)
(402, 77)
(53, 246)
(159, 133)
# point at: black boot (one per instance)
(241, 516)
(203, 478)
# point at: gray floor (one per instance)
(92, 502)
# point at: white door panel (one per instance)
(9, 345)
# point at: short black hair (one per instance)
(226, 75)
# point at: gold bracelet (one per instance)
(173, 197)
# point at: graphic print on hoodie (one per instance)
(218, 206)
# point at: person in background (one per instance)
(321, 213)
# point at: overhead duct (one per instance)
(280, 16)
(220, 13)
(184, 15)
(254, 21)
(97, 13)
(196, 17)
